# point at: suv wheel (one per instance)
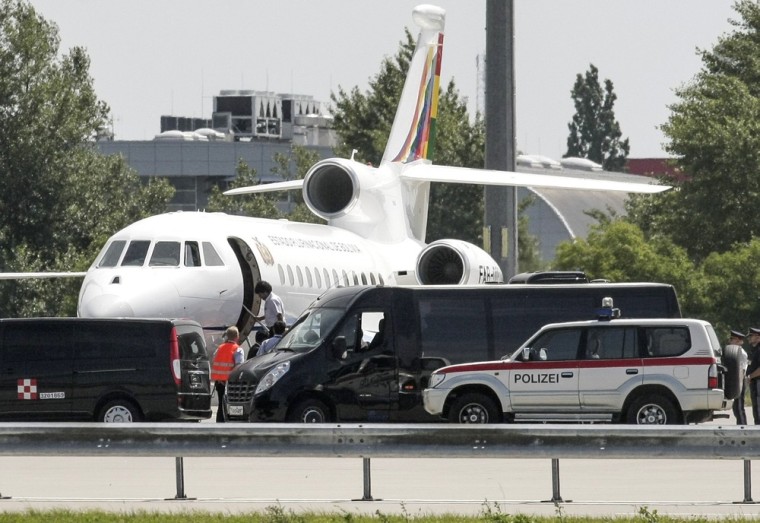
(119, 411)
(731, 359)
(474, 408)
(309, 411)
(653, 409)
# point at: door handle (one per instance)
(631, 371)
(567, 374)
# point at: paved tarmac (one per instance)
(397, 486)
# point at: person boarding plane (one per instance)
(205, 266)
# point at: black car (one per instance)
(111, 370)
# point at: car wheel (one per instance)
(732, 361)
(309, 411)
(119, 411)
(653, 409)
(474, 408)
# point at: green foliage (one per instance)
(618, 251)
(61, 200)
(265, 205)
(594, 132)
(262, 205)
(713, 132)
(294, 167)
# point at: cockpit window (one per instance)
(192, 254)
(113, 253)
(136, 253)
(210, 255)
(165, 254)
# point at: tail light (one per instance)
(174, 357)
(712, 377)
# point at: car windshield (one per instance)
(310, 330)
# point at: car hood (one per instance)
(256, 368)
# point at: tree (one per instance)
(618, 251)
(265, 205)
(594, 132)
(714, 134)
(363, 122)
(262, 205)
(61, 199)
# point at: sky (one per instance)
(170, 57)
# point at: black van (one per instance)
(112, 370)
(366, 353)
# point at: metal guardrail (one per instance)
(368, 441)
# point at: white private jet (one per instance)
(205, 265)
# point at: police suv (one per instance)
(641, 371)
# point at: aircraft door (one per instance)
(365, 380)
(249, 268)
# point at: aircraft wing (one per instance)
(25, 275)
(266, 187)
(441, 173)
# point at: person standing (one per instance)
(227, 356)
(753, 372)
(737, 338)
(273, 308)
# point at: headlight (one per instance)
(435, 379)
(272, 377)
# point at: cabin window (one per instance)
(318, 278)
(355, 277)
(281, 272)
(192, 254)
(290, 275)
(364, 279)
(210, 256)
(308, 276)
(165, 254)
(136, 253)
(113, 253)
(372, 278)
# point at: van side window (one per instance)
(559, 344)
(136, 253)
(453, 327)
(124, 341)
(210, 256)
(613, 343)
(28, 342)
(192, 254)
(165, 254)
(667, 341)
(113, 253)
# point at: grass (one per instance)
(491, 512)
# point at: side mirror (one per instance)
(339, 347)
(525, 354)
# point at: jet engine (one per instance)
(331, 188)
(456, 262)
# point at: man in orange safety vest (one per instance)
(227, 356)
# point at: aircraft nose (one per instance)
(105, 306)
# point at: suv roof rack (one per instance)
(550, 277)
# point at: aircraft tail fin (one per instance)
(413, 133)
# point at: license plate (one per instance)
(235, 410)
